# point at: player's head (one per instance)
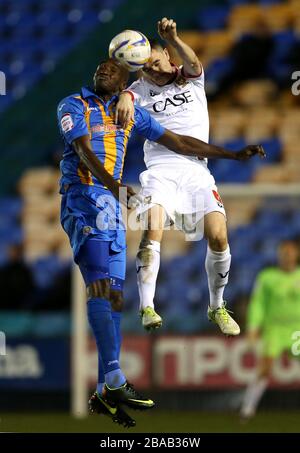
(110, 77)
(158, 69)
(288, 255)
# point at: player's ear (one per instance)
(167, 54)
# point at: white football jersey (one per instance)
(181, 108)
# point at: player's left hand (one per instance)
(250, 151)
(167, 29)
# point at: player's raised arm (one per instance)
(83, 148)
(189, 146)
(167, 30)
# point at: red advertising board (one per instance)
(185, 362)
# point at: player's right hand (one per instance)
(124, 110)
(167, 29)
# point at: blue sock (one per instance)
(116, 316)
(115, 378)
(102, 324)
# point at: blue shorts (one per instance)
(97, 261)
(91, 216)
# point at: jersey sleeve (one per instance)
(71, 119)
(256, 307)
(147, 126)
(137, 90)
(196, 79)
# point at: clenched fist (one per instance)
(167, 29)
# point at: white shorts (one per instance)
(186, 194)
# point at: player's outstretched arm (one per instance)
(167, 30)
(189, 146)
(83, 148)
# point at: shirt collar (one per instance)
(88, 92)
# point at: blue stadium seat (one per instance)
(218, 69)
(10, 206)
(46, 270)
(212, 17)
(273, 148)
(49, 27)
(12, 235)
(283, 42)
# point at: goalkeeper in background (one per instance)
(273, 317)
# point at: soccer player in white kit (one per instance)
(174, 185)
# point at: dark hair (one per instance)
(155, 44)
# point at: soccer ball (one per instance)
(131, 48)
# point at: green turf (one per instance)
(153, 421)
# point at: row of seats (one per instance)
(242, 17)
(213, 49)
(35, 35)
(182, 285)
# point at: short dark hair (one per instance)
(156, 44)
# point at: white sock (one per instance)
(253, 395)
(217, 265)
(147, 266)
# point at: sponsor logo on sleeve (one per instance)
(67, 123)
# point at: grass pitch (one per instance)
(152, 422)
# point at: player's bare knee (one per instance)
(218, 242)
(117, 300)
(99, 289)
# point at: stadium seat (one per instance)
(218, 68)
(278, 16)
(273, 149)
(227, 125)
(255, 93)
(45, 270)
(262, 124)
(212, 17)
(243, 18)
(48, 26)
(216, 44)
